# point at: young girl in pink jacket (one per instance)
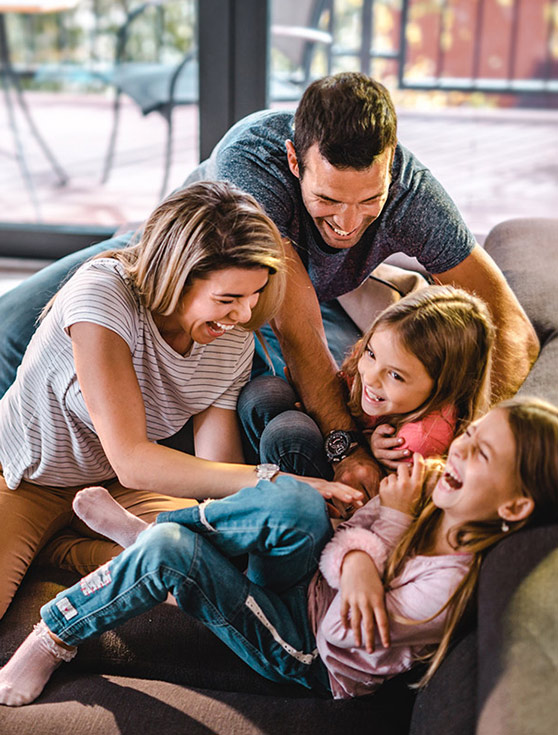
(393, 581)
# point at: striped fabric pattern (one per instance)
(46, 434)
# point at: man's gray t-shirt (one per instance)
(418, 219)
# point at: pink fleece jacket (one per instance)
(418, 592)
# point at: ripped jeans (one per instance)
(261, 614)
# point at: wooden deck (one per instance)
(496, 164)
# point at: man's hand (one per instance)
(384, 445)
(402, 489)
(362, 600)
(359, 470)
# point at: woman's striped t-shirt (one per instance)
(46, 433)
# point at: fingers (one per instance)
(356, 618)
(342, 492)
(363, 620)
(384, 430)
(382, 623)
(345, 607)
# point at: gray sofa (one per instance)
(164, 672)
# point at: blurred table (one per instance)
(10, 83)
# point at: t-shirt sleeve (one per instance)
(99, 295)
(241, 375)
(428, 225)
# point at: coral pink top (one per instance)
(418, 592)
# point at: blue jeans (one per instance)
(261, 615)
(276, 431)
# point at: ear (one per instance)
(516, 509)
(292, 159)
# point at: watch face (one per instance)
(337, 443)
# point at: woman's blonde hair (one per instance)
(206, 227)
(534, 425)
(451, 332)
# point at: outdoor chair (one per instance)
(160, 87)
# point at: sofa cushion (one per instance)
(111, 705)
(451, 690)
(518, 635)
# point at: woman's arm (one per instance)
(112, 395)
(113, 398)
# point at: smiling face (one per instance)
(343, 203)
(213, 306)
(394, 381)
(480, 480)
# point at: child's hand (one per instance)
(362, 600)
(386, 447)
(402, 489)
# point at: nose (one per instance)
(349, 218)
(371, 376)
(242, 310)
(462, 445)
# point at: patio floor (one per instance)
(496, 164)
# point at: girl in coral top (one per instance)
(394, 580)
(420, 373)
(417, 377)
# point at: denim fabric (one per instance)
(21, 307)
(277, 432)
(341, 333)
(261, 615)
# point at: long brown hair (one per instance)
(451, 332)
(534, 425)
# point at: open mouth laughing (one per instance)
(218, 328)
(371, 396)
(341, 233)
(451, 480)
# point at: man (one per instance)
(345, 195)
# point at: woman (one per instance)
(136, 343)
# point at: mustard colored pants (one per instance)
(38, 519)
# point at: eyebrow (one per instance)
(239, 295)
(396, 369)
(337, 201)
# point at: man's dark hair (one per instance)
(351, 118)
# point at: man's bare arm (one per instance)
(517, 346)
(313, 371)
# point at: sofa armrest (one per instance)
(526, 250)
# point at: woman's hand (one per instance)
(402, 489)
(362, 600)
(334, 491)
(386, 446)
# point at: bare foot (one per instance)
(96, 507)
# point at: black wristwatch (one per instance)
(339, 443)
